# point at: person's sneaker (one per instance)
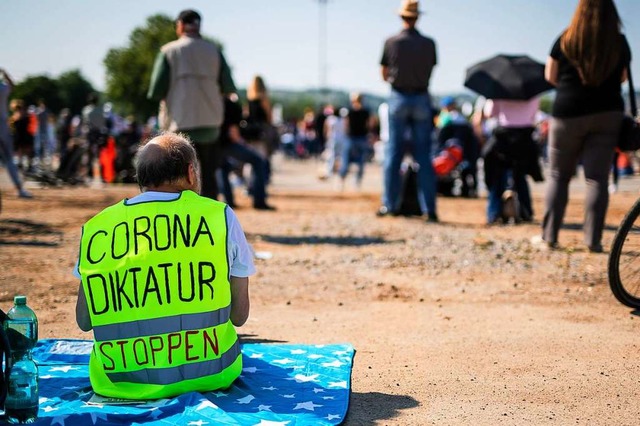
(596, 248)
(526, 218)
(383, 211)
(23, 193)
(432, 218)
(509, 206)
(264, 206)
(541, 244)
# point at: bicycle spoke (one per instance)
(624, 261)
(630, 262)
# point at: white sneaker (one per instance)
(613, 188)
(542, 245)
(510, 206)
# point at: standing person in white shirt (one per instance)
(510, 155)
(334, 130)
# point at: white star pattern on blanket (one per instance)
(301, 378)
(341, 384)
(247, 399)
(279, 385)
(64, 369)
(205, 404)
(309, 405)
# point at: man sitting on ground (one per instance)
(164, 280)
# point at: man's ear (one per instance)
(192, 178)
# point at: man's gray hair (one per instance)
(165, 159)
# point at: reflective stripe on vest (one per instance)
(156, 278)
(174, 324)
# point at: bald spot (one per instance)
(164, 164)
(159, 147)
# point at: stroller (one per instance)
(459, 178)
(74, 163)
(445, 165)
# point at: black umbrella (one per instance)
(507, 77)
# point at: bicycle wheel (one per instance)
(624, 260)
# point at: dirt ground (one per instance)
(453, 323)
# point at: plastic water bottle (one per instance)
(21, 405)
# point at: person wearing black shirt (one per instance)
(355, 149)
(407, 61)
(587, 64)
(234, 148)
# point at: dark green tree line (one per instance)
(128, 68)
(69, 90)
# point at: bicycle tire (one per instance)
(624, 259)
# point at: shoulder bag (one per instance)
(629, 139)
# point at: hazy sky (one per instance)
(279, 39)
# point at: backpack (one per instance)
(4, 356)
(409, 205)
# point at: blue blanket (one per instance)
(280, 385)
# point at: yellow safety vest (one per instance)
(156, 278)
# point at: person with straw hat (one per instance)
(407, 61)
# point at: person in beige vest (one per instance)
(190, 78)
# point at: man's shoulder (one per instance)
(171, 45)
(411, 35)
(107, 212)
(188, 43)
(394, 38)
(425, 39)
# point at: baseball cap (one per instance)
(189, 16)
(447, 101)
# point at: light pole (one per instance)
(322, 48)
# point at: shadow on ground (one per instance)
(367, 408)
(28, 233)
(579, 226)
(352, 241)
(252, 338)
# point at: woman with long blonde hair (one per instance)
(587, 64)
(259, 120)
(259, 102)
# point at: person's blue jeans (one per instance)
(6, 155)
(354, 150)
(519, 184)
(335, 152)
(410, 112)
(245, 154)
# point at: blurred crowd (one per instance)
(100, 144)
(425, 144)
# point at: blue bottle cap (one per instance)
(20, 300)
